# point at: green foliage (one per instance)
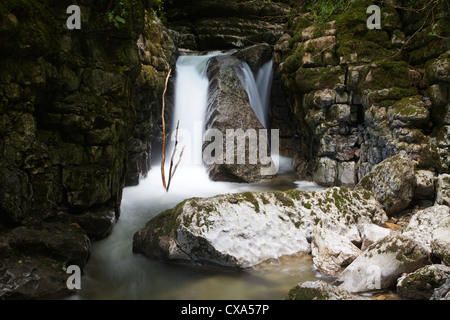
(324, 10)
(122, 13)
(119, 14)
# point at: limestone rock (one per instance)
(371, 233)
(424, 185)
(379, 266)
(438, 70)
(320, 290)
(410, 112)
(425, 222)
(347, 174)
(229, 110)
(440, 241)
(326, 172)
(393, 182)
(243, 230)
(331, 251)
(443, 292)
(255, 56)
(443, 189)
(421, 283)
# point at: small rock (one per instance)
(425, 184)
(443, 189)
(371, 233)
(421, 283)
(320, 290)
(331, 251)
(379, 266)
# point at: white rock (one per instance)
(424, 184)
(382, 263)
(440, 241)
(243, 230)
(424, 223)
(371, 233)
(332, 252)
(443, 189)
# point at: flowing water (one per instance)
(114, 272)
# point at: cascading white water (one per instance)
(114, 272)
(191, 92)
(258, 89)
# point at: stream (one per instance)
(115, 272)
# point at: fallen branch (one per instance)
(172, 169)
(171, 174)
(163, 155)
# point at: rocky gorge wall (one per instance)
(80, 110)
(360, 96)
(77, 119)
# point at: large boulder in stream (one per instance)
(231, 119)
(243, 230)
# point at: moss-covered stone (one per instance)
(421, 283)
(308, 79)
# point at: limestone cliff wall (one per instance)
(359, 96)
(77, 114)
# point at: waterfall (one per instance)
(258, 90)
(114, 272)
(191, 92)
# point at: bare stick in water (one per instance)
(163, 157)
(171, 174)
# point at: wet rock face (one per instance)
(70, 108)
(212, 25)
(157, 55)
(34, 261)
(66, 114)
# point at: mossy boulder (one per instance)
(320, 290)
(421, 283)
(393, 183)
(243, 230)
(409, 112)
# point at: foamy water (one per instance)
(115, 272)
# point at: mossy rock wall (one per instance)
(321, 63)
